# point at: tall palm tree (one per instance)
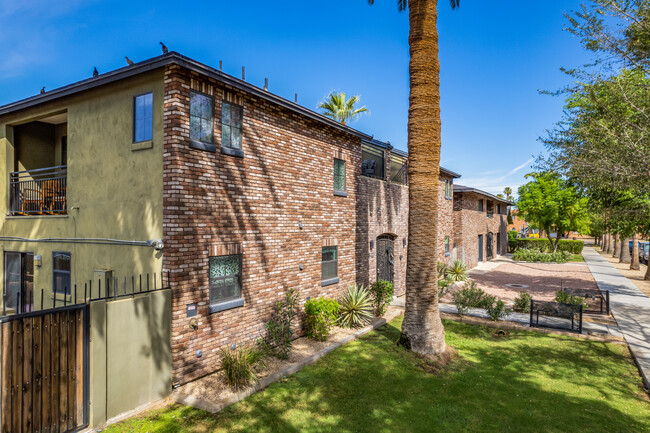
(508, 192)
(336, 107)
(422, 329)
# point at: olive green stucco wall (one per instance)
(114, 191)
(130, 354)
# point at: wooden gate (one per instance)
(43, 358)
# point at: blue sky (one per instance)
(495, 56)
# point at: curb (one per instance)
(213, 407)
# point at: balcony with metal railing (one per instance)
(40, 191)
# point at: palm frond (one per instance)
(338, 108)
(454, 3)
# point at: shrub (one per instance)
(497, 309)
(522, 302)
(280, 327)
(457, 271)
(321, 317)
(526, 255)
(571, 246)
(382, 295)
(513, 246)
(563, 297)
(470, 296)
(239, 365)
(512, 235)
(356, 307)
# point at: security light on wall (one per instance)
(38, 260)
(372, 244)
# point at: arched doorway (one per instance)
(385, 258)
(489, 246)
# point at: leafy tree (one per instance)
(340, 109)
(550, 203)
(422, 329)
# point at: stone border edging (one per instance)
(212, 407)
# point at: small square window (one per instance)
(61, 266)
(143, 117)
(480, 205)
(499, 208)
(446, 245)
(231, 125)
(339, 175)
(329, 264)
(225, 278)
(201, 118)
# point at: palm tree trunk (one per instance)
(605, 242)
(617, 244)
(634, 264)
(422, 330)
(610, 240)
(647, 273)
(625, 251)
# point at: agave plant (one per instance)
(356, 307)
(457, 271)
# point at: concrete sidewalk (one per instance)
(629, 306)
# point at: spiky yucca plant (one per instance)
(355, 307)
(457, 271)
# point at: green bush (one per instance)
(280, 327)
(497, 309)
(544, 245)
(512, 235)
(470, 296)
(239, 365)
(450, 274)
(382, 295)
(522, 302)
(526, 255)
(563, 297)
(356, 307)
(322, 314)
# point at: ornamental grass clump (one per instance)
(322, 314)
(239, 365)
(382, 295)
(356, 307)
(563, 297)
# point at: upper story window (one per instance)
(499, 208)
(201, 121)
(231, 127)
(61, 265)
(329, 265)
(339, 177)
(372, 158)
(480, 205)
(490, 208)
(143, 117)
(398, 169)
(449, 189)
(225, 282)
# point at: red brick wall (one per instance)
(214, 201)
(469, 223)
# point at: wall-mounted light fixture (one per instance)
(403, 242)
(233, 346)
(38, 260)
(300, 225)
(372, 244)
(300, 266)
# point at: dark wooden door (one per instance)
(480, 248)
(489, 246)
(18, 290)
(385, 258)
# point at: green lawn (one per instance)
(526, 382)
(577, 258)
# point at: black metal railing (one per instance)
(39, 192)
(400, 176)
(93, 290)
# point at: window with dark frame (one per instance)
(373, 159)
(446, 245)
(201, 118)
(231, 125)
(61, 265)
(480, 205)
(224, 278)
(143, 117)
(329, 264)
(398, 169)
(499, 208)
(339, 175)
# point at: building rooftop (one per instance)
(462, 188)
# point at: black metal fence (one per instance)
(39, 192)
(93, 290)
(544, 314)
(596, 301)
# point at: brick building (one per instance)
(480, 225)
(251, 194)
